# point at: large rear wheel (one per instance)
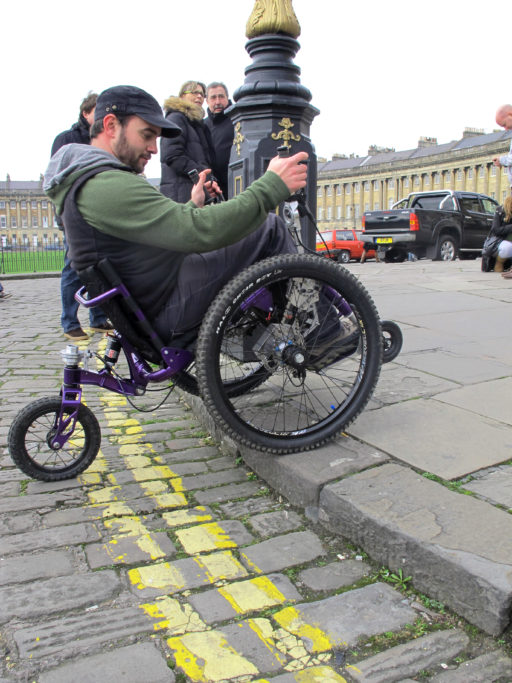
(312, 331)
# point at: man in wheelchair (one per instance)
(173, 257)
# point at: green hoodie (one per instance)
(125, 205)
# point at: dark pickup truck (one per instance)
(438, 225)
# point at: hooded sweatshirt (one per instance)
(143, 233)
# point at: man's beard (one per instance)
(127, 154)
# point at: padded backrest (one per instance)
(123, 311)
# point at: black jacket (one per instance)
(222, 132)
(499, 227)
(191, 150)
(79, 132)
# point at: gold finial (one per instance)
(286, 135)
(272, 16)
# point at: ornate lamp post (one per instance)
(271, 108)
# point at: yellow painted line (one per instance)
(263, 629)
(162, 576)
(154, 488)
(88, 478)
(221, 566)
(204, 538)
(170, 500)
(174, 617)
(253, 567)
(134, 461)
(254, 594)
(208, 656)
(105, 495)
(182, 517)
(152, 472)
(291, 620)
(135, 449)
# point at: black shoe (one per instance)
(104, 327)
(77, 334)
(332, 341)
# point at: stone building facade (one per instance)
(27, 217)
(349, 186)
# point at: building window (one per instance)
(391, 183)
(357, 212)
(24, 222)
(406, 182)
(356, 187)
(45, 221)
(2, 205)
(437, 178)
(376, 185)
(44, 204)
(338, 189)
(13, 222)
(319, 190)
(470, 174)
(347, 188)
(329, 190)
(416, 181)
(3, 222)
(366, 207)
(481, 172)
(348, 212)
(33, 204)
(376, 206)
(366, 186)
(338, 212)
(320, 213)
(459, 174)
(493, 170)
(23, 204)
(34, 222)
(329, 213)
(390, 203)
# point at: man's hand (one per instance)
(496, 161)
(291, 171)
(198, 190)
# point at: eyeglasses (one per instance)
(194, 92)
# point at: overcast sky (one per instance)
(381, 72)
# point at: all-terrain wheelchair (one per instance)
(287, 355)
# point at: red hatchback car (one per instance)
(342, 245)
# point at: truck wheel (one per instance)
(344, 256)
(446, 249)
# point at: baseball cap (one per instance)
(127, 99)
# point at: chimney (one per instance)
(472, 132)
(426, 142)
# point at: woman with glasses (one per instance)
(192, 149)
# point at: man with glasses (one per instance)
(190, 150)
(222, 131)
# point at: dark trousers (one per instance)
(202, 276)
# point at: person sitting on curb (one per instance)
(502, 228)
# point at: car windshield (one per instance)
(324, 236)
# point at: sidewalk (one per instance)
(170, 560)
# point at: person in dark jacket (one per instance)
(192, 149)
(222, 131)
(69, 281)
(502, 228)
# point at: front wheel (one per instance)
(446, 249)
(344, 256)
(392, 340)
(30, 435)
(314, 329)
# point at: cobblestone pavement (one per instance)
(168, 560)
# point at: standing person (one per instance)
(69, 281)
(192, 148)
(222, 131)
(174, 258)
(504, 119)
